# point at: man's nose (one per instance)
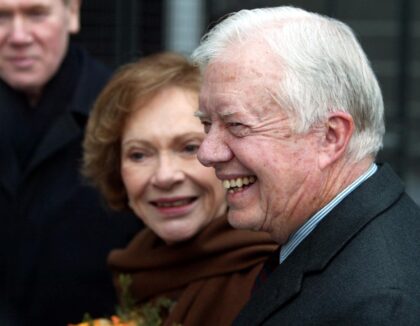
(169, 172)
(20, 31)
(214, 149)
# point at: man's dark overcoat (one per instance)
(55, 232)
(360, 265)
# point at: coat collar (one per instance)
(92, 79)
(323, 244)
(65, 129)
(70, 125)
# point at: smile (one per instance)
(173, 203)
(238, 184)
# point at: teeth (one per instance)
(226, 184)
(238, 183)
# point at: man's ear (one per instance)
(338, 131)
(74, 16)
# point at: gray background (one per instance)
(117, 31)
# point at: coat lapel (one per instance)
(64, 130)
(283, 284)
(70, 124)
(352, 215)
(333, 233)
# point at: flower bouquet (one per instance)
(128, 313)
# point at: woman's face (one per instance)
(167, 187)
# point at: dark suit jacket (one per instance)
(360, 266)
(55, 232)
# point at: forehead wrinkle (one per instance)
(246, 89)
(227, 105)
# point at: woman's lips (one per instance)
(174, 206)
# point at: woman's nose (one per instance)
(169, 172)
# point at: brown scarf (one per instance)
(212, 274)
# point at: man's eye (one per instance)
(206, 125)
(234, 124)
(37, 14)
(238, 129)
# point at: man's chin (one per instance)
(243, 220)
(25, 83)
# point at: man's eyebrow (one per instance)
(200, 114)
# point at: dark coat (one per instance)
(360, 266)
(55, 232)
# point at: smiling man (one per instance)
(54, 233)
(294, 120)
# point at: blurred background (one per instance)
(118, 31)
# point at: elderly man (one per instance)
(294, 119)
(54, 233)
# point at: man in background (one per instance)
(294, 120)
(54, 233)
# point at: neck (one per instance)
(332, 182)
(342, 174)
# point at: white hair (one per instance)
(323, 69)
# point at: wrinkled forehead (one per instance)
(248, 63)
(240, 76)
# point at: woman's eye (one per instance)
(4, 15)
(136, 156)
(191, 148)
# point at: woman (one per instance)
(140, 151)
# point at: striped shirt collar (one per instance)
(310, 224)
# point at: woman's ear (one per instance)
(338, 131)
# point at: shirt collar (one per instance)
(313, 221)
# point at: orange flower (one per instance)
(116, 321)
(96, 322)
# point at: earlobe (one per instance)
(337, 134)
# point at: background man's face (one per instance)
(34, 37)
